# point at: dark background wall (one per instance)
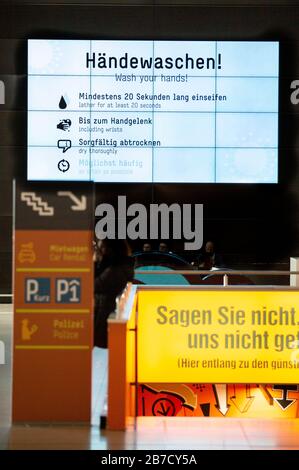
(252, 224)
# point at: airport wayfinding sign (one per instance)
(218, 336)
(53, 292)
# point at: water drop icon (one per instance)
(62, 103)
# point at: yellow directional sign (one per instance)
(218, 336)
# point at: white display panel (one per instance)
(153, 111)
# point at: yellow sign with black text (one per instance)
(217, 336)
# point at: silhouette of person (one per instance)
(209, 258)
(147, 247)
(163, 247)
(114, 268)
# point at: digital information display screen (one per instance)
(153, 111)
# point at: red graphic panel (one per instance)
(218, 400)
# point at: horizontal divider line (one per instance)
(150, 112)
(52, 347)
(24, 147)
(150, 147)
(52, 310)
(151, 74)
(60, 270)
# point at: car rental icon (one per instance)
(27, 253)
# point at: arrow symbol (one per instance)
(267, 395)
(164, 411)
(247, 402)
(284, 402)
(205, 408)
(220, 392)
(164, 407)
(80, 204)
(185, 393)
